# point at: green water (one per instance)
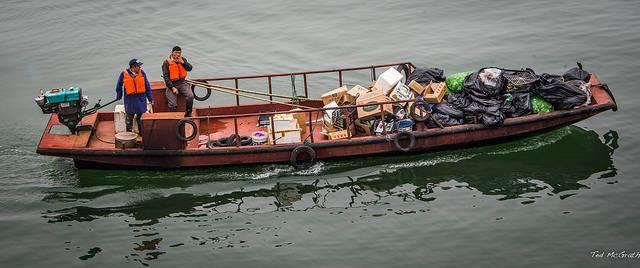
(553, 200)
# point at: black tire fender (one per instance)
(245, 140)
(302, 149)
(206, 97)
(182, 123)
(414, 115)
(228, 141)
(405, 135)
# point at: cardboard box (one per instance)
(334, 95)
(329, 128)
(302, 120)
(416, 87)
(373, 110)
(401, 92)
(389, 127)
(388, 80)
(352, 95)
(372, 85)
(361, 128)
(438, 89)
(337, 135)
(357, 91)
(327, 117)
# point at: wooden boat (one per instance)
(92, 146)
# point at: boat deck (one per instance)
(104, 135)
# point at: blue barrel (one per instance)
(405, 124)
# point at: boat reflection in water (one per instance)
(551, 165)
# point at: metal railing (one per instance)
(305, 75)
(309, 112)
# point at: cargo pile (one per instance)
(486, 96)
(341, 121)
(490, 95)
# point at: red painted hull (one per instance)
(86, 153)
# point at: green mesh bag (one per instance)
(455, 81)
(540, 106)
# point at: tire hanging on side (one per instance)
(302, 149)
(405, 135)
(181, 124)
(206, 97)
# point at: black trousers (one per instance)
(184, 89)
(129, 122)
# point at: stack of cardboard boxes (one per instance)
(340, 122)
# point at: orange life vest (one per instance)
(133, 85)
(176, 70)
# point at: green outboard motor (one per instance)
(68, 103)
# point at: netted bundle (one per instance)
(520, 81)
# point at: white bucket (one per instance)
(259, 137)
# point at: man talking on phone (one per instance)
(174, 72)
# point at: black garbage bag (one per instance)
(486, 110)
(491, 88)
(426, 75)
(577, 73)
(560, 94)
(446, 114)
(516, 104)
(490, 116)
(445, 120)
(447, 109)
(520, 80)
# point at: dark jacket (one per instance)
(136, 103)
(165, 72)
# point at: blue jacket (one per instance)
(134, 104)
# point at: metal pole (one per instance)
(384, 125)
(340, 77)
(306, 92)
(348, 128)
(237, 96)
(235, 126)
(270, 91)
(273, 131)
(311, 126)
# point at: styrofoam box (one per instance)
(120, 118)
(290, 136)
(388, 80)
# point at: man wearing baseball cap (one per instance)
(136, 92)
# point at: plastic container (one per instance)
(119, 119)
(405, 124)
(388, 80)
(259, 137)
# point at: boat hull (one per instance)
(427, 140)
